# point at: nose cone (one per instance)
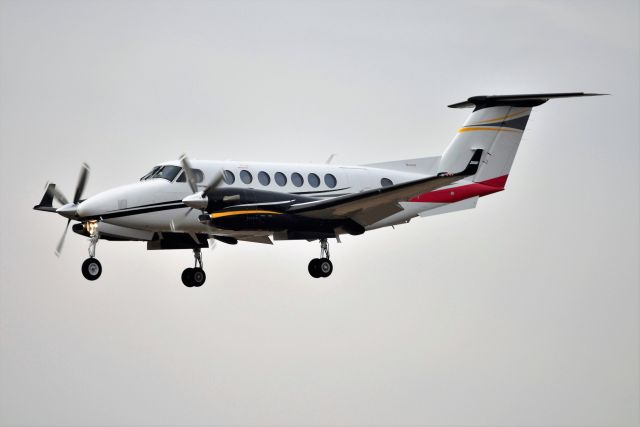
(196, 201)
(70, 210)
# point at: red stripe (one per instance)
(455, 194)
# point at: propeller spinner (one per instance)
(199, 199)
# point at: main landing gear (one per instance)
(194, 277)
(321, 267)
(91, 267)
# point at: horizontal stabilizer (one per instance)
(469, 203)
(46, 204)
(522, 100)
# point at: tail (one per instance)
(495, 126)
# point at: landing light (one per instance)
(91, 227)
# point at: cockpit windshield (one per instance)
(167, 172)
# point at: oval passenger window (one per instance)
(229, 177)
(296, 179)
(281, 179)
(314, 180)
(330, 180)
(264, 178)
(246, 177)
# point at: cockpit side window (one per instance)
(168, 172)
(148, 175)
(196, 172)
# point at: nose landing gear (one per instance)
(91, 267)
(194, 277)
(321, 267)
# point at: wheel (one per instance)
(198, 277)
(314, 271)
(325, 267)
(91, 269)
(187, 277)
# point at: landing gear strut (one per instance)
(321, 267)
(91, 267)
(194, 277)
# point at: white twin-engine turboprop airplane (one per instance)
(185, 204)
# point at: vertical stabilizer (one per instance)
(496, 126)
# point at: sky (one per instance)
(523, 311)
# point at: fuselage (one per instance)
(155, 203)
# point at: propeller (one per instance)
(69, 209)
(61, 242)
(82, 182)
(188, 171)
(56, 194)
(193, 201)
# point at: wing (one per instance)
(371, 206)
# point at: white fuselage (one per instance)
(128, 199)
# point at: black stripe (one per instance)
(149, 205)
(519, 123)
(320, 191)
(123, 213)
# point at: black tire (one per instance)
(91, 269)
(314, 271)
(187, 277)
(198, 277)
(325, 267)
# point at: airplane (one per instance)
(190, 204)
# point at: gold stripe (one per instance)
(496, 129)
(230, 213)
(499, 118)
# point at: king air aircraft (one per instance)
(188, 204)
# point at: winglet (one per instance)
(522, 100)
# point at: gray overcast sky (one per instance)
(523, 311)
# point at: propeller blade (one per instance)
(215, 181)
(188, 212)
(188, 171)
(82, 181)
(61, 242)
(57, 194)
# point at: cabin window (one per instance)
(330, 180)
(297, 179)
(229, 177)
(313, 180)
(386, 182)
(264, 178)
(246, 176)
(281, 179)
